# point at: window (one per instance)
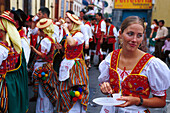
(62, 8)
(75, 8)
(66, 5)
(42, 3)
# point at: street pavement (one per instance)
(95, 93)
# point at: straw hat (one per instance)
(74, 18)
(6, 16)
(43, 23)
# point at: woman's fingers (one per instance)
(106, 88)
(130, 100)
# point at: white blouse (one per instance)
(26, 48)
(79, 37)
(3, 53)
(156, 70)
(45, 45)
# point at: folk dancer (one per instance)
(13, 71)
(73, 75)
(44, 82)
(131, 73)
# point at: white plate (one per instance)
(107, 101)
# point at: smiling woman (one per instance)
(133, 73)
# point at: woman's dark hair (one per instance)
(131, 20)
(156, 21)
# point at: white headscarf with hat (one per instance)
(12, 34)
(47, 27)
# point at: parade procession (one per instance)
(84, 56)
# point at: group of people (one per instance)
(56, 57)
(159, 40)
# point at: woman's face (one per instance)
(41, 33)
(132, 37)
(69, 23)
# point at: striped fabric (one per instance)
(3, 96)
(47, 84)
(78, 77)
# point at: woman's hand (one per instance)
(130, 100)
(58, 46)
(151, 36)
(64, 26)
(32, 47)
(106, 88)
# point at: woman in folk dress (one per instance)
(133, 73)
(73, 75)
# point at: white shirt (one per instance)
(114, 31)
(26, 48)
(3, 53)
(103, 27)
(89, 30)
(84, 31)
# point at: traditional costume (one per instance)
(111, 30)
(73, 78)
(86, 51)
(148, 75)
(21, 17)
(101, 50)
(13, 71)
(43, 76)
(155, 28)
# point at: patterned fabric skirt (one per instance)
(78, 79)
(17, 87)
(44, 76)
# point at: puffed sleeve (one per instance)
(45, 45)
(104, 69)
(3, 53)
(79, 37)
(103, 27)
(159, 77)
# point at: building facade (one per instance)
(76, 6)
(125, 8)
(161, 11)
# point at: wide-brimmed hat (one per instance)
(43, 23)
(6, 16)
(74, 18)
